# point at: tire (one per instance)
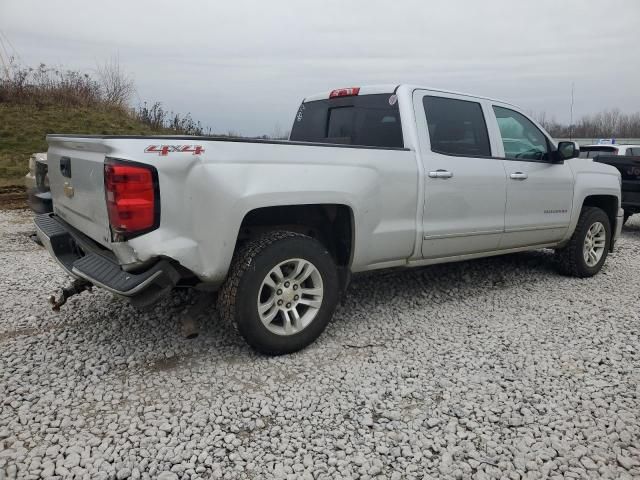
(571, 258)
(627, 216)
(248, 286)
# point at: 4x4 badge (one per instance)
(164, 150)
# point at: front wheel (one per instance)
(281, 292)
(588, 247)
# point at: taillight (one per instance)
(345, 92)
(132, 194)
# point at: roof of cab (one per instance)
(392, 88)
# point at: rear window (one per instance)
(367, 120)
(593, 152)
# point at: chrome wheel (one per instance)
(290, 296)
(594, 244)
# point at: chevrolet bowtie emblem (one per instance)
(68, 190)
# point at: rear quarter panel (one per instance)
(205, 197)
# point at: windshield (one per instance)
(367, 120)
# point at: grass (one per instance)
(23, 130)
(38, 101)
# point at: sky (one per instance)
(245, 65)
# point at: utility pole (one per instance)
(571, 120)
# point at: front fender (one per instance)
(592, 179)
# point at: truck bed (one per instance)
(207, 185)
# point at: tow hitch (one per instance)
(79, 285)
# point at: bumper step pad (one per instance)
(101, 270)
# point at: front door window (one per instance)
(521, 139)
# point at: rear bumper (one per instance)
(80, 257)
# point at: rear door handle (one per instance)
(440, 174)
(519, 176)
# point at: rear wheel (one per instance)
(281, 292)
(587, 250)
(627, 215)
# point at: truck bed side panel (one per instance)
(205, 197)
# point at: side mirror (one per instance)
(567, 150)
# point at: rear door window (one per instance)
(456, 127)
(367, 120)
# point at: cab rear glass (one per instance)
(367, 120)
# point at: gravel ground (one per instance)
(496, 368)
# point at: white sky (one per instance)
(245, 65)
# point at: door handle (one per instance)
(440, 174)
(519, 176)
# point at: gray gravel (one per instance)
(495, 368)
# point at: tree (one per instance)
(117, 87)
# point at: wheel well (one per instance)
(331, 224)
(607, 203)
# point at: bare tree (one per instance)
(278, 133)
(117, 86)
(609, 123)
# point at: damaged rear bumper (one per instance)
(83, 258)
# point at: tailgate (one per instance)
(76, 178)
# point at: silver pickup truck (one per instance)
(371, 178)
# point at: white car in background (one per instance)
(592, 151)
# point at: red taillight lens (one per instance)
(131, 191)
(345, 92)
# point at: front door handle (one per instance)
(519, 176)
(440, 174)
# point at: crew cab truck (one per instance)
(626, 158)
(371, 178)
